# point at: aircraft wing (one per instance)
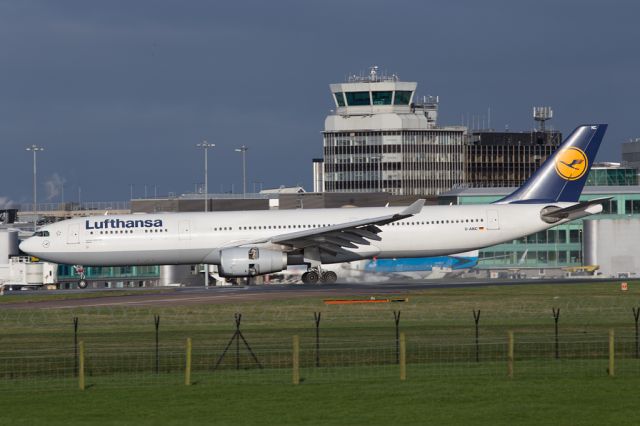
(333, 239)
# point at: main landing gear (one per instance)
(313, 275)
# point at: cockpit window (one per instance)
(41, 234)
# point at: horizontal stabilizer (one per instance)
(554, 215)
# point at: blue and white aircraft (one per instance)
(406, 268)
(251, 243)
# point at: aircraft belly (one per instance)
(127, 257)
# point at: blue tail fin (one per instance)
(563, 175)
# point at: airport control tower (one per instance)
(382, 138)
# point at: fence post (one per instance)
(556, 317)
(157, 323)
(75, 343)
(636, 314)
(403, 357)
(238, 317)
(317, 315)
(187, 369)
(510, 358)
(476, 317)
(612, 353)
(296, 360)
(396, 317)
(81, 366)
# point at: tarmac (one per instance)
(220, 295)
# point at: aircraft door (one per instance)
(493, 220)
(185, 230)
(73, 234)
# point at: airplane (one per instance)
(407, 268)
(249, 243)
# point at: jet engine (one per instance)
(250, 261)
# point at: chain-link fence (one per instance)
(324, 354)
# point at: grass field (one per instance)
(562, 401)
(357, 382)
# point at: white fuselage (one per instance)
(190, 238)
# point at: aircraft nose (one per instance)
(26, 246)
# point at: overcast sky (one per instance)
(119, 92)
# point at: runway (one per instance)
(221, 295)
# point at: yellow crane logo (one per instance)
(571, 163)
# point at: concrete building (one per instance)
(506, 159)
(612, 244)
(631, 154)
(382, 138)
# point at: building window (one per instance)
(382, 98)
(574, 236)
(339, 99)
(610, 207)
(358, 98)
(562, 257)
(562, 236)
(402, 97)
(574, 256)
(632, 206)
(542, 256)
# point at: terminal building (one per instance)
(382, 138)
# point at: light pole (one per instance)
(205, 146)
(243, 149)
(35, 148)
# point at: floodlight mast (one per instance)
(35, 149)
(243, 149)
(206, 146)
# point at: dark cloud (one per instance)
(120, 92)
